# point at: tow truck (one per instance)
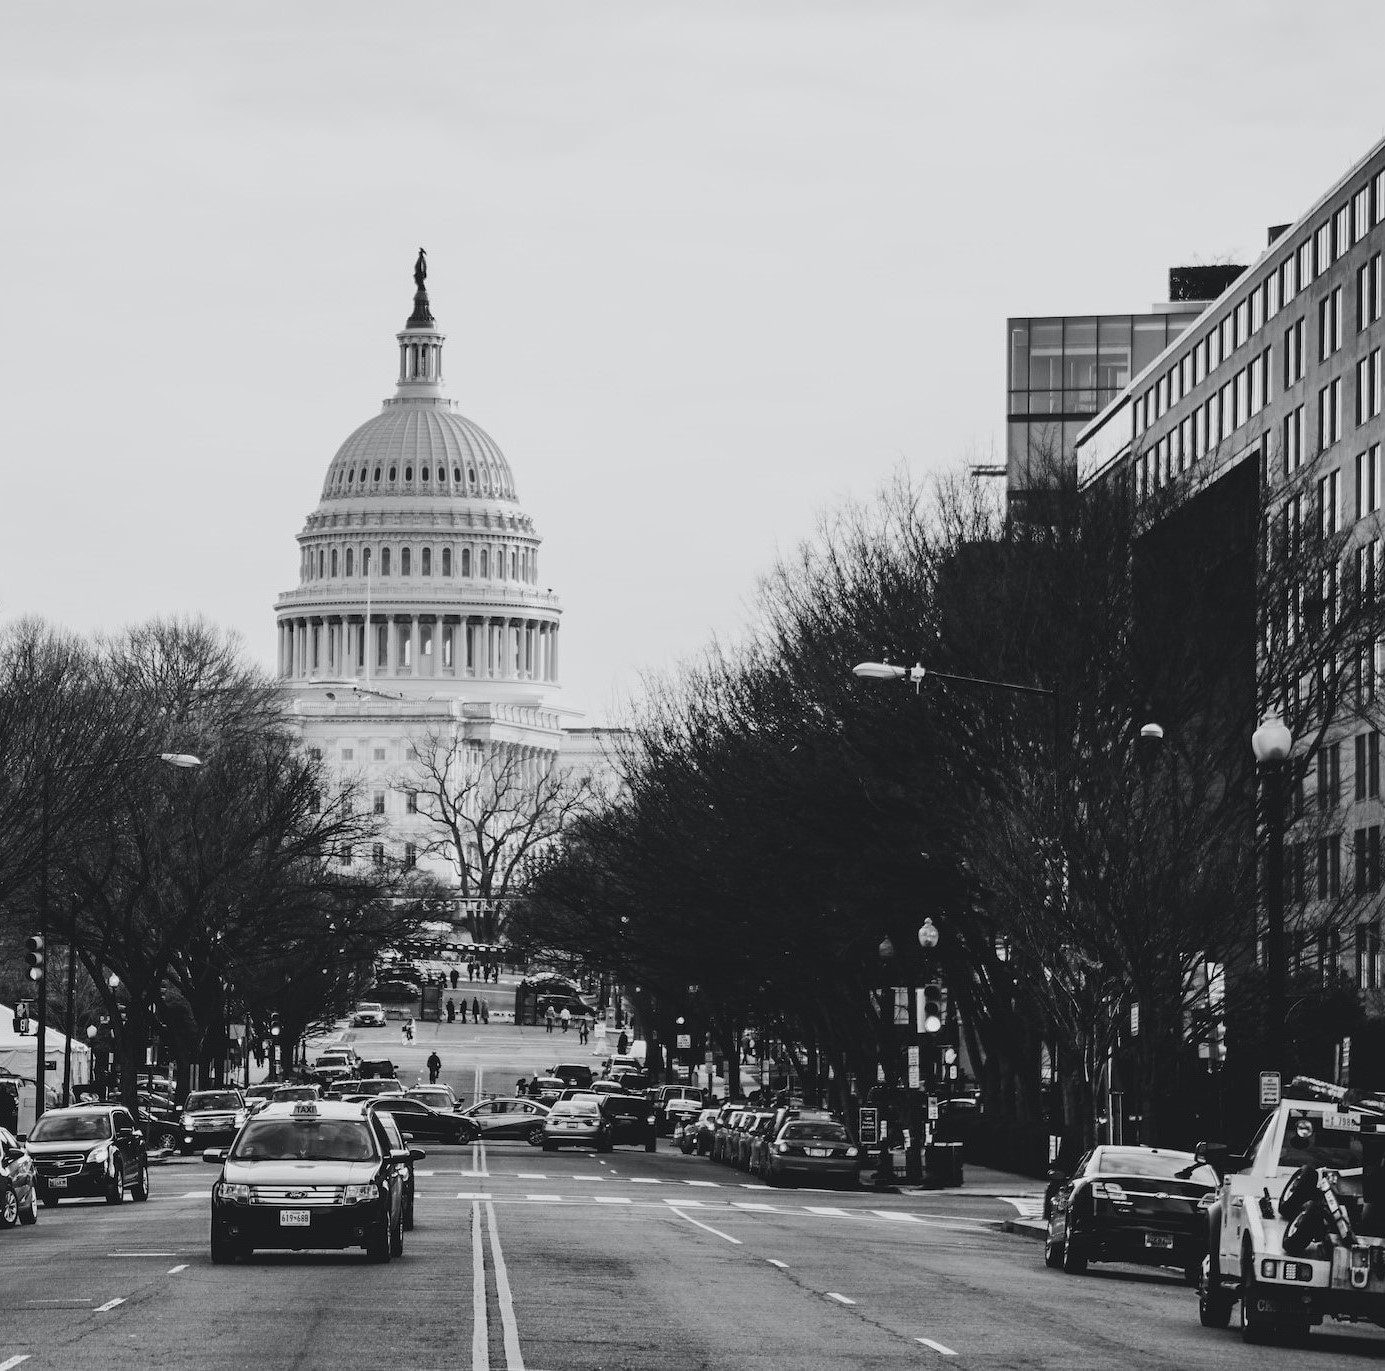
(1296, 1228)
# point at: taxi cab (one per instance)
(311, 1174)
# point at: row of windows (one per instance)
(1328, 773)
(348, 754)
(500, 563)
(1315, 867)
(346, 855)
(359, 479)
(1346, 226)
(1322, 950)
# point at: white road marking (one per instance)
(194, 1195)
(10, 1364)
(611, 1199)
(514, 1359)
(480, 1337)
(1026, 1206)
(174, 1270)
(552, 1199)
(927, 1342)
(822, 1209)
(531, 1176)
(755, 1208)
(715, 1185)
(754, 1185)
(642, 1180)
(109, 1305)
(783, 1266)
(716, 1232)
(685, 1204)
(141, 1254)
(841, 1299)
(898, 1215)
(473, 1194)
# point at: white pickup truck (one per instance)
(1297, 1225)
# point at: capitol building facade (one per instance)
(419, 626)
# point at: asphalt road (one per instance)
(522, 1259)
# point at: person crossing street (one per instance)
(434, 1066)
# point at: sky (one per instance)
(707, 270)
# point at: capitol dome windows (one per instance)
(423, 473)
(350, 561)
(384, 561)
(442, 475)
(485, 564)
(377, 475)
(426, 562)
(408, 473)
(466, 561)
(365, 561)
(334, 563)
(447, 561)
(406, 562)
(394, 471)
(457, 475)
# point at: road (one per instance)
(573, 1262)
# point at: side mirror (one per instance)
(417, 1154)
(1057, 1177)
(215, 1155)
(1216, 1155)
(21, 1137)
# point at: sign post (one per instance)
(1269, 1090)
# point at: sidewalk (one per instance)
(1025, 1192)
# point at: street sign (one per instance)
(684, 1041)
(914, 1077)
(869, 1129)
(933, 1109)
(1269, 1090)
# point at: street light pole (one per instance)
(1272, 743)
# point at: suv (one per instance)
(89, 1149)
(675, 1105)
(211, 1116)
(631, 1118)
(1296, 1231)
(336, 1065)
(368, 1014)
(576, 1074)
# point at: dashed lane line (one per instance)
(611, 1199)
(825, 1209)
(473, 1195)
(841, 1299)
(755, 1208)
(927, 1342)
(550, 1199)
(11, 1362)
(898, 1215)
(783, 1266)
(109, 1305)
(174, 1270)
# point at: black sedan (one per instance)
(18, 1182)
(519, 1119)
(1145, 1205)
(632, 1120)
(417, 1120)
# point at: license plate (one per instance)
(57, 1182)
(818, 1152)
(294, 1218)
(1158, 1239)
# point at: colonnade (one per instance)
(473, 646)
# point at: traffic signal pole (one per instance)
(42, 981)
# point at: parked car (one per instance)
(577, 1123)
(427, 1125)
(89, 1149)
(520, 1119)
(160, 1118)
(1145, 1205)
(817, 1150)
(257, 1096)
(18, 1182)
(721, 1130)
(368, 1014)
(674, 1104)
(441, 1097)
(211, 1116)
(754, 1142)
(631, 1118)
(697, 1134)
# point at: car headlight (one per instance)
(359, 1194)
(100, 1154)
(187, 1122)
(781, 1148)
(650, 1119)
(229, 1190)
(241, 1116)
(851, 1152)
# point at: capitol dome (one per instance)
(418, 568)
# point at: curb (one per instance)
(1027, 1228)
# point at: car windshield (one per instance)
(71, 1128)
(1309, 1141)
(626, 1108)
(212, 1099)
(379, 1088)
(576, 1108)
(369, 1007)
(815, 1132)
(1168, 1166)
(294, 1092)
(318, 1140)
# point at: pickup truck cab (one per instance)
(1297, 1225)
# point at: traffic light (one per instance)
(21, 1017)
(33, 956)
(933, 1008)
(274, 1026)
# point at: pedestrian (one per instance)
(471, 971)
(451, 1010)
(434, 1066)
(409, 1030)
(485, 1012)
(475, 1010)
(566, 1017)
(622, 1044)
(520, 1086)
(535, 1089)
(455, 978)
(548, 1019)
(463, 1007)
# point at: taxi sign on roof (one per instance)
(305, 1109)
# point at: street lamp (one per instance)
(1272, 742)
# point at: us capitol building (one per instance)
(419, 611)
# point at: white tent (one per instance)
(19, 1057)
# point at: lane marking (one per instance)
(841, 1299)
(754, 1208)
(685, 1204)
(514, 1358)
(473, 1195)
(109, 1305)
(898, 1215)
(548, 1199)
(141, 1254)
(755, 1185)
(480, 1337)
(174, 1270)
(824, 1209)
(708, 1227)
(531, 1176)
(715, 1185)
(783, 1266)
(14, 1361)
(640, 1180)
(927, 1342)
(611, 1199)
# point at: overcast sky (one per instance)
(706, 270)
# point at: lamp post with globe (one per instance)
(1272, 742)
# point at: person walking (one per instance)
(548, 1019)
(463, 1006)
(622, 1044)
(475, 1010)
(455, 977)
(566, 1017)
(485, 1012)
(434, 1066)
(451, 1010)
(520, 1086)
(408, 1030)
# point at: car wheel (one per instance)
(1256, 1327)
(115, 1192)
(1053, 1251)
(397, 1240)
(1214, 1308)
(535, 1136)
(140, 1189)
(1192, 1274)
(166, 1138)
(9, 1206)
(380, 1248)
(1074, 1254)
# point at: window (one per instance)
(344, 854)
(1368, 294)
(378, 802)
(1368, 765)
(1329, 324)
(1368, 956)
(1288, 280)
(1329, 414)
(411, 802)
(1330, 503)
(1330, 867)
(365, 561)
(384, 561)
(348, 754)
(315, 754)
(1368, 481)
(1360, 214)
(350, 561)
(1329, 763)
(447, 561)
(379, 754)
(1368, 387)
(1228, 336)
(334, 562)
(377, 854)
(485, 563)
(1256, 372)
(1341, 231)
(1305, 264)
(1294, 360)
(406, 561)
(410, 856)
(1322, 248)
(1293, 441)
(466, 561)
